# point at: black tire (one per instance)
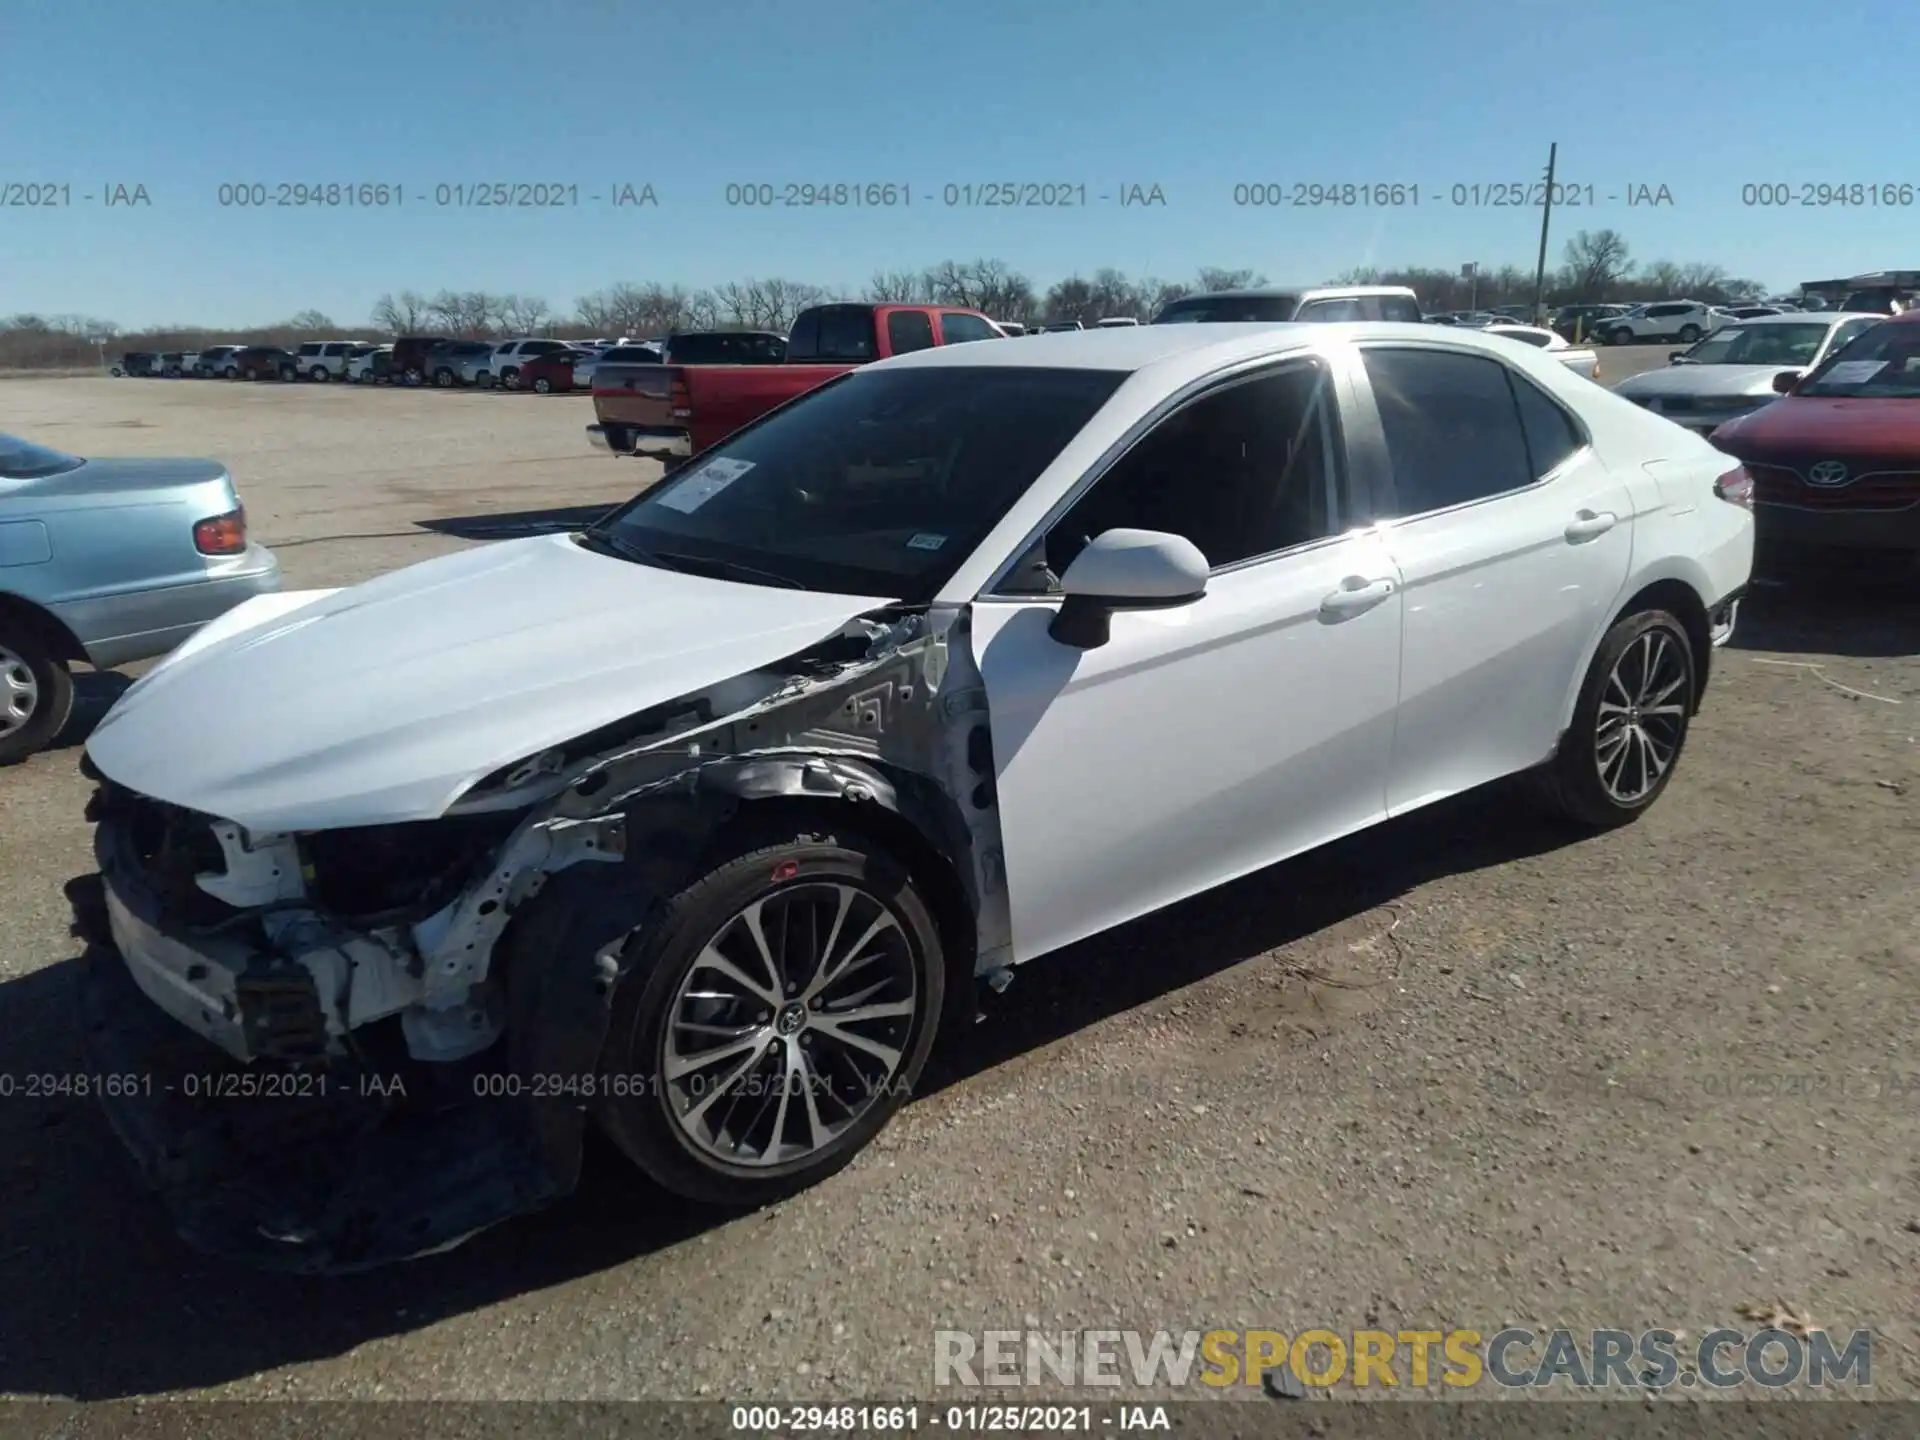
(232, 372)
(542, 385)
(510, 378)
(1689, 334)
(318, 375)
(443, 377)
(639, 1120)
(1571, 781)
(23, 646)
(412, 375)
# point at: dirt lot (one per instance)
(1466, 1070)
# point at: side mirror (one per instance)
(1673, 356)
(1784, 382)
(1125, 570)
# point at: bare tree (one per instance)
(404, 314)
(310, 320)
(1069, 299)
(900, 287)
(1212, 277)
(1599, 260)
(525, 314)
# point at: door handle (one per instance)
(1356, 593)
(1585, 525)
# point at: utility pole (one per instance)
(1546, 216)
(1471, 273)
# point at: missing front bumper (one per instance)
(322, 1169)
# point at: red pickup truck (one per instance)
(670, 412)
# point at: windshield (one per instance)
(1229, 309)
(24, 460)
(1759, 345)
(877, 483)
(1883, 364)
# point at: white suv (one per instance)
(1682, 320)
(503, 367)
(325, 359)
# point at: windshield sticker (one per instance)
(926, 542)
(705, 483)
(1853, 372)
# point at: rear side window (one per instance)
(957, 328)
(1552, 436)
(631, 355)
(1400, 308)
(1452, 428)
(309, 349)
(845, 334)
(909, 330)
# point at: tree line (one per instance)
(1595, 266)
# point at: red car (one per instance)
(1836, 460)
(550, 374)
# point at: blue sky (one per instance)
(183, 96)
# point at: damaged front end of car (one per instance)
(347, 1047)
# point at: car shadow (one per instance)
(517, 524)
(1832, 606)
(94, 692)
(99, 1300)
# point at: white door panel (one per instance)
(1503, 600)
(1198, 744)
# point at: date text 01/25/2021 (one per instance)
(1407, 194)
(443, 195)
(968, 195)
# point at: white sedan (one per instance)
(698, 824)
(1577, 358)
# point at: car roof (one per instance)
(1264, 291)
(1132, 348)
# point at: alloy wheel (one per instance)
(19, 692)
(789, 1024)
(1642, 717)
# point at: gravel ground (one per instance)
(1465, 1070)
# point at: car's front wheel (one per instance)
(542, 385)
(1629, 724)
(318, 375)
(36, 691)
(443, 377)
(1689, 334)
(780, 1013)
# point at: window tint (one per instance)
(1551, 434)
(1849, 330)
(804, 339)
(1400, 308)
(1228, 310)
(313, 349)
(1244, 471)
(846, 334)
(1332, 311)
(909, 330)
(1453, 432)
(956, 328)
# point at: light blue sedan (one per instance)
(108, 562)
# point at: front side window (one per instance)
(1331, 311)
(1244, 471)
(1401, 309)
(878, 483)
(1452, 427)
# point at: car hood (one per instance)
(1691, 380)
(1835, 427)
(383, 702)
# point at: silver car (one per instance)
(108, 562)
(1731, 372)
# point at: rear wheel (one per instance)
(443, 377)
(542, 385)
(1629, 724)
(510, 379)
(780, 1012)
(318, 375)
(36, 691)
(1689, 334)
